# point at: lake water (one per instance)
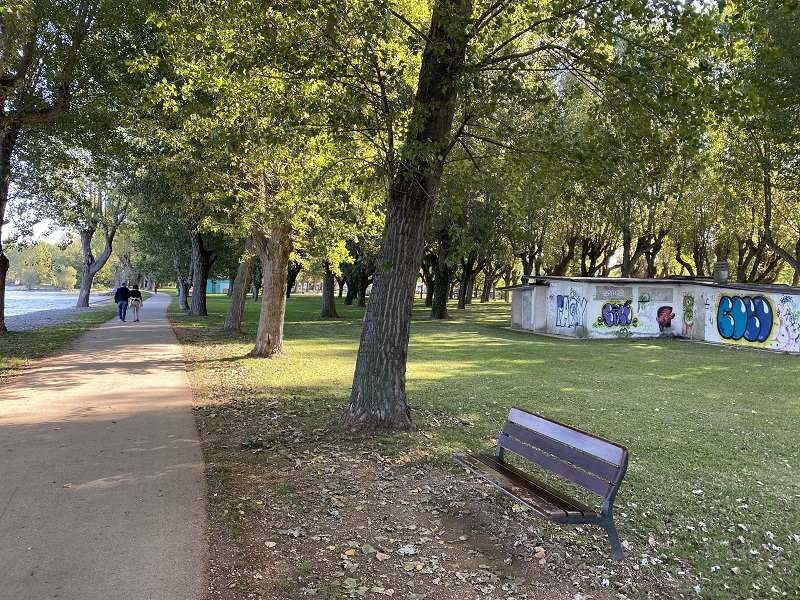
(20, 302)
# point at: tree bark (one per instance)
(488, 284)
(202, 259)
(442, 275)
(328, 310)
(92, 265)
(353, 284)
(274, 251)
(87, 275)
(464, 285)
(427, 269)
(363, 284)
(294, 270)
(241, 283)
(378, 397)
(183, 286)
(8, 141)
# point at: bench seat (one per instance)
(526, 489)
(588, 461)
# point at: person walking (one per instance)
(136, 302)
(121, 297)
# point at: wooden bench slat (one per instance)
(608, 451)
(557, 466)
(513, 487)
(588, 462)
(569, 505)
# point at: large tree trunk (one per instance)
(202, 259)
(488, 284)
(274, 251)
(87, 276)
(241, 283)
(294, 270)
(378, 397)
(353, 283)
(427, 270)
(363, 284)
(441, 288)
(340, 283)
(328, 310)
(3, 274)
(8, 140)
(442, 274)
(627, 262)
(183, 286)
(464, 290)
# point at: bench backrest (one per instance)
(591, 462)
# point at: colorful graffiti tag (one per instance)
(570, 310)
(664, 316)
(688, 315)
(748, 317)
(617, 314)
(788, 338)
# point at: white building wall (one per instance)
(718, 315)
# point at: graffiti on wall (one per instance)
(744, 317)
(617, 313)
(647, 295)
(664, 316)
(570, 309)
(688, 315)
(613, 293)
(788, 338)
(644, 300)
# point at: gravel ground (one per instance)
(45, 318)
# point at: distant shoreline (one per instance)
(22, 288)
(51, 316)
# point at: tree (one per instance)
(70, 188)
(59, 62)
(378, 398)
(66, 278)
(36, 266)
(241, 283)
(531, 42)
(761, 83)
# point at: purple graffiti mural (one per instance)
(617, 314)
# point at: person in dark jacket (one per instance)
(121, 297)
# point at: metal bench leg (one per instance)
(613, 539)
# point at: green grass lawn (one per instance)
(713, 434)
(18, 348)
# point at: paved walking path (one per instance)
(101, 478)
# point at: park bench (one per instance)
(588, 461)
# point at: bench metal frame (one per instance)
(596, 464)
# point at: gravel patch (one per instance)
(46, 318)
